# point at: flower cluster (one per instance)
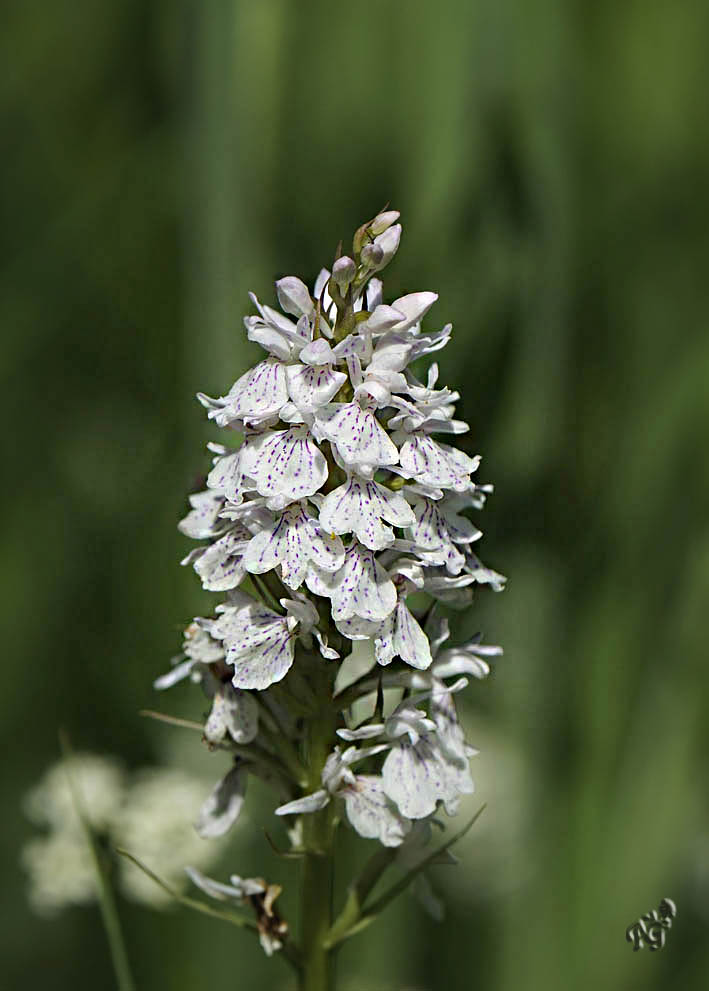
(334, 520)
(149, 812)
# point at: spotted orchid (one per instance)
(335, 524)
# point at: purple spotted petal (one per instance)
(402, 636)
(292, 542)
(360, 588)
(203, 519)
(220, 565)
(256, 396)
(359, 506)
(233, 712)
(285, 463)
(431, 463)
(312, 386)
(360, 439)
(371, 813)
(416, 778)
(226, 477)
(436, 533)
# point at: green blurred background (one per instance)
(549, 158)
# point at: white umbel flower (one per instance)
(149, 812)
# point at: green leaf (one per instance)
(369, 913)
(358, 890)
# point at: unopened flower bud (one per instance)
(372, 256)
(389, 243)
(294, 297)
(343, 272)
(383, 220)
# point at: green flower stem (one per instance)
(316, 902)
(288, 754)
(266, 594)
(106, 899)
(317, 861)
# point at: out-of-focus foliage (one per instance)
(549, 160)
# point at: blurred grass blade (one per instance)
(288, 951)
(193, 903)
(107, 901)
(164, 717)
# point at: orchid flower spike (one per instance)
(335, 518)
